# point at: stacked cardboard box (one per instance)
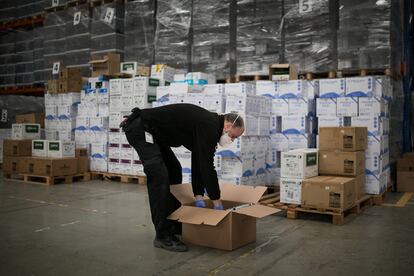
(296, 166)
(405, 173)
(14, 155)
(126, 94)
(92, 122)
(292, 121)
(68, 80)
(361, 102)
(342, 154)
(60, 115)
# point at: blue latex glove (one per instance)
(219, 207)
(200, 203)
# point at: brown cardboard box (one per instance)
(405, 173)
(67, 85)
(328, 192)
(360, 185)
(341, 163)
(17, 147)
(14, 164)
(228, 229)
(53, 86)
(107, 64)
(283, 72)
(33, 118)
(405, 181)
(83, 160)
(51, 166)
(343, 138)
(70, 74)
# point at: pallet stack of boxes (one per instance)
(341, 169)
(361, 102)
(126, 94)
(244, 161)
(292, 121)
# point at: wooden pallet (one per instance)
(12, 176)
(27, 22)
(337, 216)
(56, 8)
(365, 72)
(380, 199)
(138, 179)
(52, 180)
(319, 75)
(22, 89)
(243, 78)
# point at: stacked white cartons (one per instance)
(92, 122)
(184, 157)
(67, 110)
(374, 95)
(244, 162)
(163, 73)
(331, 103)
(51, 116)
(296, 165)
(144, 91)
(292, 120)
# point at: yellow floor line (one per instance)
(404, 199)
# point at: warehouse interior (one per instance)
(320, 180)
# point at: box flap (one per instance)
(195, 215)
(243, 194)
(183, 192)
(257, 211)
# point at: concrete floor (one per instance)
(104, 228)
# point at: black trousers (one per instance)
(162, 170)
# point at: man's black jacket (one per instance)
(194, 128)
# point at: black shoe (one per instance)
(171, 243)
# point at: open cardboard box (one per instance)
(229, 229)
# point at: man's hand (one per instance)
(218, 205)
(200, 202)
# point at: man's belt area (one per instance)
(135, 113)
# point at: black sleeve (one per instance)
(204, 174)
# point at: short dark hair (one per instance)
(235, 119)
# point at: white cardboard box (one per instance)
(214, 103)
(291, 89)
(243, 105)
(295, 125)
(40, 148)
(61, 149)
(266, 88)
(279, 142)
(331, 121)
(241, 147)
(280, 107)
(372, 106)
(347, 107)
(290, 190)
(237, 167)
(127, 87)
(326, 107)
(25, 131)
(332, 88)
(302, 106)
(115, 87)
(275, 124)
(300, 141)
(214, 89)
(162, 93)
(359, 86)
(376, 125)
(240, 89)
(299, 164)
(115, 103)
